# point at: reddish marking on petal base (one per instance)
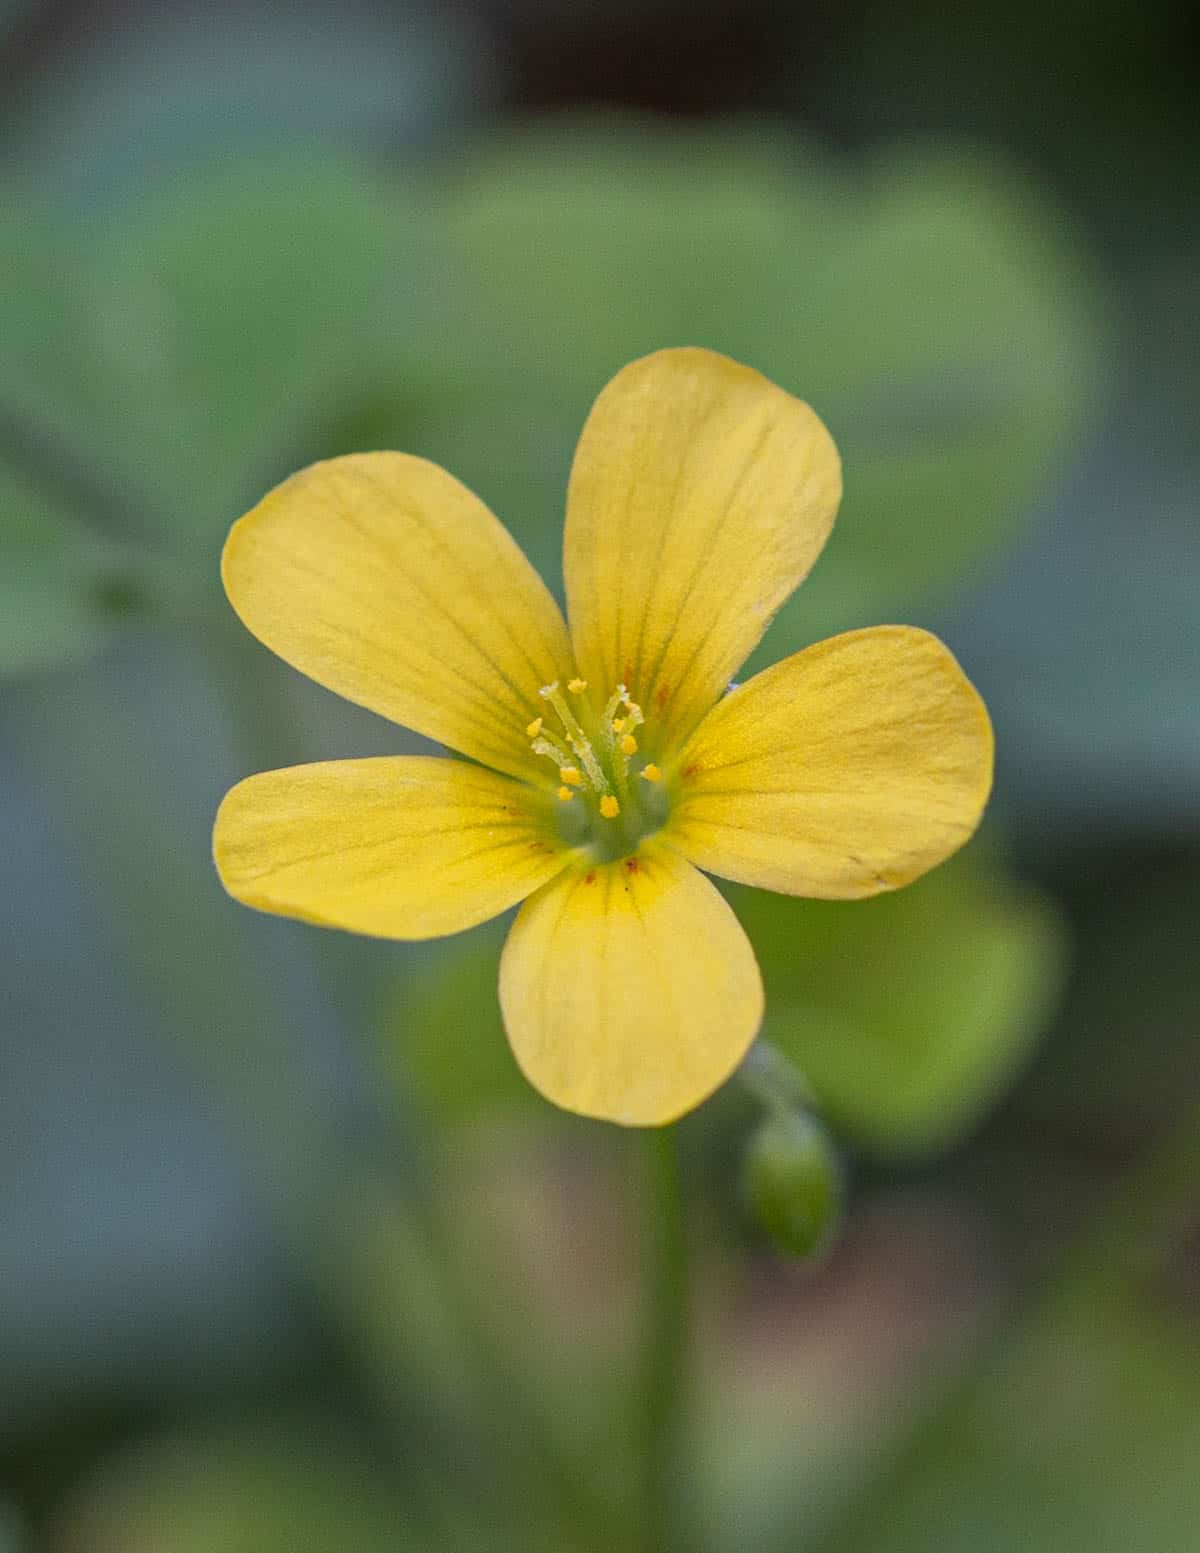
(631, 865)
(661, 694)
(627, 676)
(690, 771)
(590, 879)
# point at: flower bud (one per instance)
(792, 1180)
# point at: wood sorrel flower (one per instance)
(606, 765)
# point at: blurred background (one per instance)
(289, 1257)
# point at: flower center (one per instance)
(609, 796)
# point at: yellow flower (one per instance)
(606, 764)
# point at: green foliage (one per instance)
(54, 390)
(244, 322)
(908, 1013)
(272, 1487)
(442, 1030)
(928, 306)
(162, 385)
(63, 589)
(1081, 1436)
(1086, 1400)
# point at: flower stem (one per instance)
(664, 1343)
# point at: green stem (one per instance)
(662, 1394)
(774, 1080)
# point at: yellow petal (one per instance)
(629, 992)
(848, 769)
(700, 496)
(397, 846)
(383, 578)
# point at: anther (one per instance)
(619, 724)
(609, 807)
(652, 773)
(577, 686)
(628, 745)
(571, 775)
(534, 728)
(565, 794)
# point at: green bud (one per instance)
(792, 1180)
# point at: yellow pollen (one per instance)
(629, 745)
(618, 724)
(534, 728)
(652, 773)
(571, 775)
(577, 686)
(609, 807)
(565, 794)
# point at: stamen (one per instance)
(575, 736)
(600, 772)
(634, 710)
(620, 741)
(548, 746)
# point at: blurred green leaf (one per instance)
(932, 307)
(73, 562)
(159, 388)
(62, 589)
(1082, 1437)
(271, 1485)
(72, 565)
(54, 393)
(240, 325)
(929, 306)
(1076, 1428)
(908, 1013)
(442, 1030)
(509, 1384)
